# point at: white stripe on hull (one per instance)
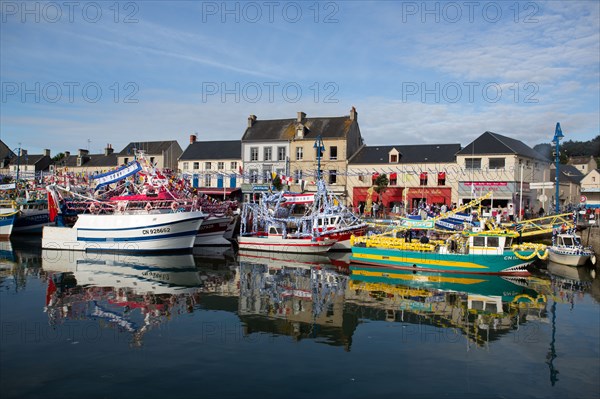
(278, 244)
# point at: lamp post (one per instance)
(521, 193)
(558, 135)
(320, 148)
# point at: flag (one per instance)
(286, 179)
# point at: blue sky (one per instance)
(85, 74)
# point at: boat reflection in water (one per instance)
(301, 295)
(482, 307)
(129, 293)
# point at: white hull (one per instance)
(126, 232)
(211, 232)
(570, 257)
(280, 244)
(160, 274)
(7, 220)
(281, 260)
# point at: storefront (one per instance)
(395, 196)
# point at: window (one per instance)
(497, 163)
(207, 166)
(220, 165)
(332, 176)
(393, 179)
(151, 160)
(361, 177)
(267, 174)
(299, 154)
(207, 180)
(233, 165)
(196, 165)
(186, 165)
(394, 158)
(297, 176)
(253, 176)
(126, 160)
(268, 151)
(254, 153)
(478, 241)
(280, 172)
(281, 153)
(441, 178)
(333, 153)
(493, 242)
(472, 163)
(423, 179)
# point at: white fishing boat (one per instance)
(122, 231)
(568, 250)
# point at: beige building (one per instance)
(590, 189)
(584, 164)
(162, 154)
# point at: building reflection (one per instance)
(302, 295)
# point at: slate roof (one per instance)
(5, 151)
(422, 153)
(149, 147)
(580, 160)
(490, 143)
(94, 161)
(567, 173)
(231, 149)
(285, 129)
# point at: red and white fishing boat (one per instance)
(299, 222)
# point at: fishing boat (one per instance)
(478, 252)
(8, 214)
(299, 222)
(567, 249)
(32, 217)
(277, 240)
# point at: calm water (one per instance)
(215, 324)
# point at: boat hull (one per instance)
(7, 221)
(211, 232)
(569, 257)
(31, 222)
(280, 244)
(126, 232)
(506, 263)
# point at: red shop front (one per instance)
(429, 195)
(390, 196)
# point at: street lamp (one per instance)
(320, 148)
(521, 194)
(556, 140)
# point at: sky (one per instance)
(81, 75)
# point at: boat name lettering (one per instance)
(510, 257)
(156, 231)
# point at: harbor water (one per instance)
(220, 324)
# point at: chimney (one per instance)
(251, 120)
(67, 154)
(83, 152)
(353, 114)
(300, 117)
(23, 152)
(47, 152)
(108, 150)
(192, 138)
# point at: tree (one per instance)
(381, 184)
(277, 183)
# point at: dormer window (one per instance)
(393, 156)
(300, 131)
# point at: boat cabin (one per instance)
(567, 240)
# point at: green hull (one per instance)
(506, 263)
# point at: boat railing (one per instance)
(106, 207)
